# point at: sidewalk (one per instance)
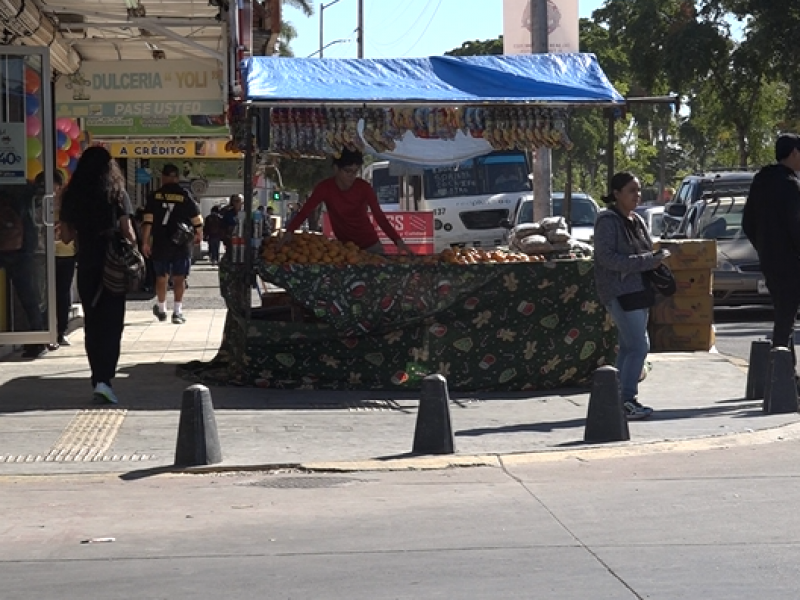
(50, 424)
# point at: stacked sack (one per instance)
(684, 322)
(548, 237)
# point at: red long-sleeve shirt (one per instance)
(347, 210)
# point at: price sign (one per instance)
(12, 153)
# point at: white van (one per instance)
(469, 201)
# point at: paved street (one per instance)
(704, 523)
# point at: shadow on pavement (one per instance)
(746, 409)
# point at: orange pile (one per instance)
(471, 256)
(316, 249)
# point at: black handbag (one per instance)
(637, 300)
(662, 280)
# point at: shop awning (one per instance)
(550, 79)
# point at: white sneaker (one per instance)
(103, 391)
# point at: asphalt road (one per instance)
(711, 524)
(737, 327)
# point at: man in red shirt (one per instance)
(347, 198)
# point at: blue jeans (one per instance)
(634, 344)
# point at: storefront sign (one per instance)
(415, 228)
(562, 26)
(183, 125)
(172, 149)
(141, 89)
(12, 153)
(208, 169)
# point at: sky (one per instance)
(401, 28)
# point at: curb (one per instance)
(784, 433)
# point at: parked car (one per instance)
(737, 277)
(694, 188)
(653, 216)
(583, 214)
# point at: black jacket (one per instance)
(771, 221)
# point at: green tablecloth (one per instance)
(517, 326)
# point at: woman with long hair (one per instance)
(94, 202)
(623, 250)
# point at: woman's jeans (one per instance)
(633, 346)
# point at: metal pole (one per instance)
(610, 144)
(542, 163)
(360, 28)
(321, 21)
(247, 207)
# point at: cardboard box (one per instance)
(683, 309)
(689, 254)
(681, 338)
(693, 282)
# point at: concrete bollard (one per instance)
(780, 393)
(757, 369)
(433, 433)
(605, 418)
(198, 441)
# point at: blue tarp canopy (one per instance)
(552, 79)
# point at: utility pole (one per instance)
(322, 8)
(360, 28)
(542, 162)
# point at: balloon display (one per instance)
(64, 124)
(33, 148)
(33, 126)
(34, 167)
(32, 81)
(31, 104)
(62, 158)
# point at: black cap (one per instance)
(784, 145)
(170, 170)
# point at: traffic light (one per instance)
(276, 196)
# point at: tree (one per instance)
(772, 27)
(478, 48)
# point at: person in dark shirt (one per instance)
(212, 227)
(230, 219)
(169, 209)
(17, 247)
(94, 202)
(771, 222)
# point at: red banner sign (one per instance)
(416, 229)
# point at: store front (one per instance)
(27, 232)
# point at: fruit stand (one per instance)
(486, 320)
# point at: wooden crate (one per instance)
(693, 282)
(683, 309)
(689, 254)
(681, 338)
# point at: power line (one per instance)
(411, 27)
(421, 35)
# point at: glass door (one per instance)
(27, 156)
